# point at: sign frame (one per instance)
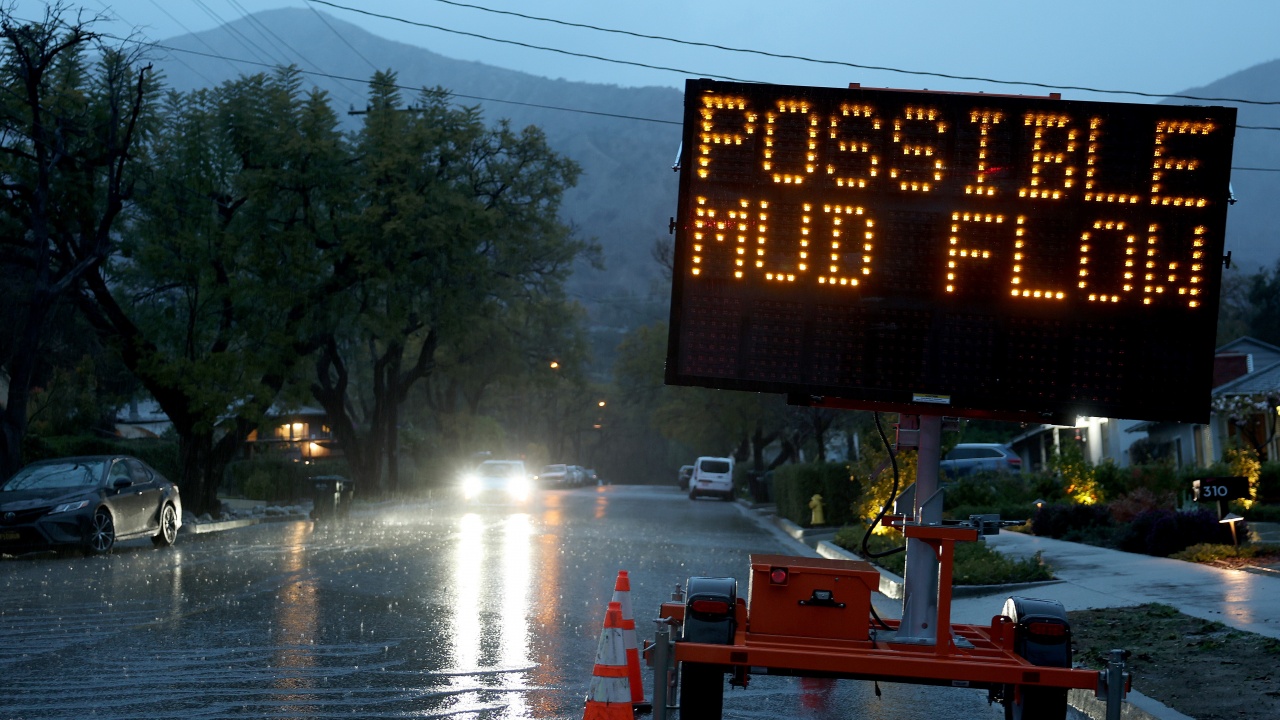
(1160, 354)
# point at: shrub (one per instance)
(161, 454)
(1269, 483)
(975, 562)
(795, 485)
(1160, 478)
(1209, 552)
(1069, 520)
(1112, 480)
(277, 479)
(1263, 513)
(1126, 508)
(1164, 532)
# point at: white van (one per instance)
(712, 476)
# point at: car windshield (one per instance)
(552, 469)
(499, 469)
(57, 475)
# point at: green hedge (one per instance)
(1269, 483)
(795, 485)
(277, 479)
(158, 453)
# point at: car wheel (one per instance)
(693, 495)
(168, 527)
(102, 533)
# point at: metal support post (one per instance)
(664, 675)
(1115, 684)
(920, 578)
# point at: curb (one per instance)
(222, 525)
(1135, 707)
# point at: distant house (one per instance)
(142, 419)
(1100, 439)
(302, 434)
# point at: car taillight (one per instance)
(710, 607)
(1047, 629)
(778, 576)
(1014, 462)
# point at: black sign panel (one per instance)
(1220, 488)
(955, 254)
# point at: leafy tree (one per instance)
(1264, 302)
(453, 216)
(69, 131)
(212, 298)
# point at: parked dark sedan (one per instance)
(87, 503)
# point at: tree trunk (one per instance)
(13, 421)
(198, 484)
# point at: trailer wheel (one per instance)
(1037, 703)
(1042, 636)
(701, 691)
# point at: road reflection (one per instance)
(492, 606)
(297, 620)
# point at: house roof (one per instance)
(1263, 381)
(1263, 353)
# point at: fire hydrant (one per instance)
(815, 504)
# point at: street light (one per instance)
(600, 404)
(555, 365)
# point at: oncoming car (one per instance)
(500, 480)
(88, 503)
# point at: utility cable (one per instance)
(265, 30)
(408, 88)
(343, 38)
(785, 56)
(893, 494)
(527, 45)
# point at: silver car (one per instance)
(968, 458)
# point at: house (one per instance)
(302, 434)
(142, 419)
(1099, 438)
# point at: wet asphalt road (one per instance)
(428, 610)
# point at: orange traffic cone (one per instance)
(622, 596)
(609, 698)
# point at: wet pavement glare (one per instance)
(419, 610)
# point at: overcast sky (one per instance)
(1158, 47)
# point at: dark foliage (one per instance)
(1164, 532)
(1269, 483)
(1060, 520)
(158, 453)
(795, 485)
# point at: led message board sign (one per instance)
(955, 254)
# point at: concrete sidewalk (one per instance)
(1093, 577)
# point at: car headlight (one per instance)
(470, 486)
(68, 507)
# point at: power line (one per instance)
(784, 56)
(262, 27)
(393, 85)
(528, 45)
(343, 38)
(496, 100)
(245, 41)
